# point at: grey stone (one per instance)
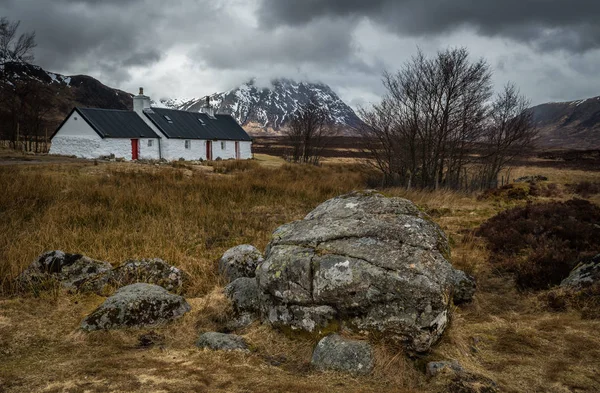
(149, 271)
(71, 270)
(435, 368)
(135, 306)
(339, 354)
(222, 342)
(376, 264)
(316, 319)
(240, 261)
(243, 293)
(585, 274)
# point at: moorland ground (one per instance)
(189, 215)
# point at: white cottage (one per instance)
(151, 133)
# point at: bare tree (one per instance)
(308, 131)
(434, 110)
(20, 94)
(509, 133)
(13, 47)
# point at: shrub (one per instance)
(541, 243)
(585, 188)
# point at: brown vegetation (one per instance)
(542, 243)
(189, 215)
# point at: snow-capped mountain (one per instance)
(271, 108)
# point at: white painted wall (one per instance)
(245, 150)
(148, 152)
(174, 149)
(76, 137)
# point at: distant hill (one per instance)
(569, 125)
(268, 109)
(60, 93)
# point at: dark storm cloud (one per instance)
(103, 35)
(546, 24)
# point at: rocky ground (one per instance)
(163, 298)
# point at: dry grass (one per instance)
(189, 216)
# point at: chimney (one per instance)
(141, 102)
(208, 109)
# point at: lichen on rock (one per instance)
(136, 306)
(367, 261)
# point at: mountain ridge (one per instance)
(269, 109)
(569, 124)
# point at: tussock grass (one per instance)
(188, 220)
(189, 215)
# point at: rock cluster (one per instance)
(71, 270)
(150, 271)
(370, 262)
(84, 274)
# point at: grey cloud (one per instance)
(547, 25)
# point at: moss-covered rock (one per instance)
(136, 306)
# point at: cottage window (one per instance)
(188, 144)
(150, 142)
(168, 119)
(223, 145)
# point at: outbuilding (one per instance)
(151, 133)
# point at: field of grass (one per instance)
(189, 215)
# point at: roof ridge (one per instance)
(104, 109)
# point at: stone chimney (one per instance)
(208, 109)
(141, 102)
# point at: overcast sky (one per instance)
(189, 48)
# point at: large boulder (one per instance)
(240, 261)
(584, 275)
(374, 263)
(339, 354)
(149, 271)
(222, 342)
(136, 306)
(71, 270)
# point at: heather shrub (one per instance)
(541, 243)
(585, 188)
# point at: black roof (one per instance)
(112, 123)
(194, 125)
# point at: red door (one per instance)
(135, 149)
(237, 150)
(209, 150)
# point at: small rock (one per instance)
(150, 271)
(150, 339)
(464, 287)
(435, 368)
(240, 261)
(339, 354)
(135, 306)
(222, 342)
(584, 275)
(71, 270)
(451, 377)
(533, 178)
(244, 294)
